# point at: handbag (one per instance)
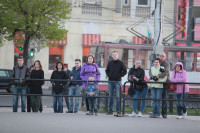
(172, 86)
(139, 87)
(131, 91)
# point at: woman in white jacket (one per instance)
(156, 89)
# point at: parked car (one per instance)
(6, 84)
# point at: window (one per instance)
(126, 2)
(92, 7)
(127, 56)
(143, 8)
(144, 56)
(198, 61)
(3, 73)
(99, 56)
(187, 58)
(144, 3)
(55, 54)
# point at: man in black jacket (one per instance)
(20, 71)
(115, 71)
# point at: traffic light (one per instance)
(21, 48)
(31, 52)
(182, 17)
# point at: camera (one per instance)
(132, 77)
(162, 69)
(154, 78)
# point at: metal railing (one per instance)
(123, 95)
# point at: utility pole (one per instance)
(158, 24)
(189, 25)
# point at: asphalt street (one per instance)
(48, 122)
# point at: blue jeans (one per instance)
(58, 102)
(19, 90)
(138, 93)
(74, 91)
(92, 104)
(156, 93)
(181, 107)
(114, 88)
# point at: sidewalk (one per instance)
(50, 110)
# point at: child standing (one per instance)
(92, 92)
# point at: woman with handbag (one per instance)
(136, 75)
(89, 69)
(58, 87)
(180, 75)
(156, 88)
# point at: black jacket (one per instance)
(138, 73)
(35, 85)
(116, 70)
(58, 85)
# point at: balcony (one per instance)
(92, 9)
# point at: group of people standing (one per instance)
(64, 82)
(159, 72)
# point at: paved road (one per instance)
(6, 100)
(49, 122)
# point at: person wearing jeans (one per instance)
(156, 93)
(75, 87)
(114, 88)
(181, 106)
(156, 88)
(115, 71)
(58, 87)
(20, 71)
(92, 92)
(57, 102)
(143, 94)
(180, 75)
(19, 90)
(136, 74)
(74, 91)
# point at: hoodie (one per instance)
(180, 76)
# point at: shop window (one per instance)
(187, 58)
(144, 56)
(198, 61)
(55, 54)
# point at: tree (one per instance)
(36, 19)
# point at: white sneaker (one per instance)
(185, 115)
(139, 114)
(179, 117)
(133, 114)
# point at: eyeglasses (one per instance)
(162, 56)
(76, 63)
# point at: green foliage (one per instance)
(37, 19)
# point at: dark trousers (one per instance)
(28, 100)
(87, 104)
(164, 103)
(66, 92)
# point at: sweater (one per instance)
(155, 71)
(35, 85)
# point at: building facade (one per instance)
(93, 22)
